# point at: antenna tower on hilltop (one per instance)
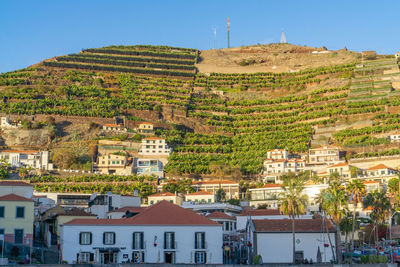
(215, 37)
(283, 38)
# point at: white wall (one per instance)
(277, 247)
(242, 220)
(184, 237)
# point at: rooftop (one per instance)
(285, 226)
(162, 213)
(262, 212)
(153, 138)
(378, 167)
(214, 182)
(272, 185)
(342, 164)
(199, 193)
(130, 209)
(31, 152)
(112, 125)
(219, 215)
(162, 194)
(14, 197)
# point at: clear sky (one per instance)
(31, 31)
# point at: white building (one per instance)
(163, 233)
(324, 155)
(114, 128)
(124, 212)
(278, 154)
(167, 196)
(395, 137)
(34, 159)
(207, 208)
(19, 188)
(381, 170)
(200, 197)
(272, 239)
(343, 169)
(154, 146)
(6, 124)
(102, 204)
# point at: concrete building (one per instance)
(230, 188)
(200, 197)
(149, 167)
(124, 212)
(34, 159)
(145, 128)
(278, 154)
(394, 137)
(114, 164)
(207, 208)
(20, 188)
(16, 219)
(272, 239)
(154, 146)
(6, 124)
(343, 169)
(167, 196)
(324, 155)
(381, 170)
(114, 128)
(163, 233)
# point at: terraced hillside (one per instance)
(230, 120)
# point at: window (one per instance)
(85, 238)
(200, 257)
(169, 240)
(19, 236)
(85, 257)
(20, 212)
(138, 240)
(226, 226)
(160, 146)
(199, 240)
(138, 257)
(108, 238)
(2, 208)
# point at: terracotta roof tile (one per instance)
(370, 182)
(339, 165)
(261, 212)
(14, 183)
(379, 167)
(215, 182)
(272, 185)
(112, 125)
(199, 193)
(153, 138)
(162, 213)
(74, 212)
(14, 197)
(32, 152)
(219, 215)
(285, 226)
(130, 209)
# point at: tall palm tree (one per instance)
(381, 208)
(356, 190)
(293, 201)
(334, 202)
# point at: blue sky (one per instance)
(31, 31)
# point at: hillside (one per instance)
(218, 123)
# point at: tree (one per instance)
(3, 172)
(221, 195)
(356, 191)
(23, 172)
(354, 172)
(381, 208)
(334, 202)
(293, 202)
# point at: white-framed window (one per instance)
(138, 242)
(85, 238)
(200, 257)
(109, 238)
(199, 240)
(169, 240)
(85, 257)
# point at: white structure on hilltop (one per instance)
(283, 38)
(6, 124)
(34, 159)
(162, 233)
(154, 146)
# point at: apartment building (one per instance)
(154, 146)
(324, 155)
(34, 159)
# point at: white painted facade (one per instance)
(153, 237)
(277, 247)
(33, 159)
(154, 146)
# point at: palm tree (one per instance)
(356, 190)
(293, 202)
(334, 202)
(381, 208)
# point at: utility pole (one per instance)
(228, 33)
(215, 37)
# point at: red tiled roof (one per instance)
(370, 182)
(14, 197)
(276, 150)
(339, 165)
(261, 212)
(219, 215)
(199, 193)
(162, 213)
(74, 212)
(278, 160)
(162, 194)
(153, 138)
(147, 123)
(378, 167)
(285, 226)
(112, 125)
(14, 183)
(130, 209)
(325, 147)
(272, 185)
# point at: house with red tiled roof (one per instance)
(28, 158)
(162, 233)
(200, 197)
(230, 188)
(371, 186)
(278, 162)
(342, 168)
(272, 239)
(167, 196)
(124, 212)
(146, 128)
(17, 187)
(111, 127)
(381, 170)
(16, 219)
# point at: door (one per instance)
(169, 257)
(108, 257)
